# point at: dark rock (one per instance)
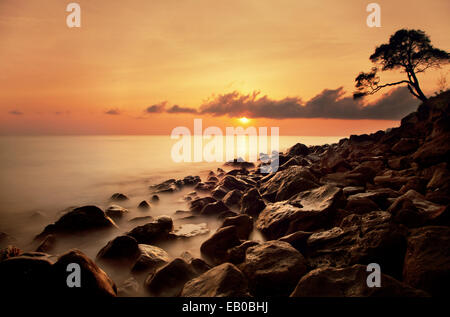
(273, 268)
(350, 282)
(405, 146)
(219, 192)
(167, 186)
(154, 231)
(243, 224)
(9, 252)
(333, 162)
(78, 220)
(225, 280)
(144, 205)
(427, 260)
(232, 198)
(169, 280)
(231, 182)
(197, 204)
(47, 244)
(308, 210)
(352, 190)
(298, 149)
(118, 197)
(115, 212)
(434, 151)
(214, 208)
(155, 198)
(360, 204)
(150, 259)
(94, 281)
(239, 162)
(236, 255)
(122, 249)
(215, 248)
(252, 203)
(297, 240)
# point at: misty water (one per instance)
(44, 176)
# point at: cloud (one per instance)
(178, 109)
(330, 103)
(157, 108)
(16, 112)
(113, 112)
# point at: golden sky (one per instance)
(130, 55)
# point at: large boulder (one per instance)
(215, 248)
(332, 162)
(169, 280)
(273, 268)
(427, 260)
(350, 282)
(309, 210)
(405, 146)
(252, 203)
(150, 259)
(214, 208)
(243, 224)
(231, 182)
(122, 250)
(79, 220)
(232, 198)
(153, 232)
(298, 149)
(116, 212)
(225, 280)
(284, 184)
(197, 204)
(94, 281)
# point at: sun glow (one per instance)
(244, 120)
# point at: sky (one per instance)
(147, 66)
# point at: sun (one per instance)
(244, 120)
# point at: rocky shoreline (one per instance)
(327, 213)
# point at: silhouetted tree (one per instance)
(407, 50)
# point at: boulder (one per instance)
(231, 182)
(155, 231)
(197, 205)
(350, 282)
(94, 281)
(122, 250)
(169, 280)
(309, 210)
(47, 244)
(232, 198)
(297, 239)
(333, 162)
(118, 197)
(219, 192)
(243, 224)
(144, 205)
(190, 230)
(115, 212)
(150, 259)
(78, 220)
(236, 255)
(252, 203)
(273, 268)
(298, 149)
(214, 208)
(360, 204)
(427, 260)
(215, 248)
(225, 280)
(405, 146)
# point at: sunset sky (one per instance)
(131, 62)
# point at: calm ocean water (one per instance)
(48, 174)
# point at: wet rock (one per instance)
(243, 224)
(191, 230)
(232, 198)
(239, 162)
(121, 250)
(144, 205)
(150, 259)
(204, 186)
(225, 280)
(168, 186)
(350, 282)
(308, 210)
(352, 190)
(155, 198)
(47, 244)
(333, 162)
(118, 197)
(273, 268)
(231, 182)
(440, 179)
(169, 280)
(297, 239)
(94, 281)
(214, 208)
(219, 192)
(399, 163)
(405, 146)
(116, 212)
(191, 180)
(298, 149)
(360, 204)
(155, 231)
(287, 183)
(214, 249)
(252, 203)
(236, 255)
(427, 260)
(197, 204)
(434, 151)
(78, 220)
(393, 182)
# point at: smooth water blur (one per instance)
(48, 174)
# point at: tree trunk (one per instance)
(416, 86)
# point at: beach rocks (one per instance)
(215, 248)
(197, 205)
(150, 259)
(231, 182)
(153, 232)
(308, 210)
(273, 268)
(121, 250)
(232, 198)
(405, 146)
(118, 197)
(169, 280)
(214, 208)
(252, 203)
(190, 230)
(350, 282)
(79, 219)
(144, 205)
(427, 260)
(115, 212)
(298, 149)
(225, 280)
(243, 224)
